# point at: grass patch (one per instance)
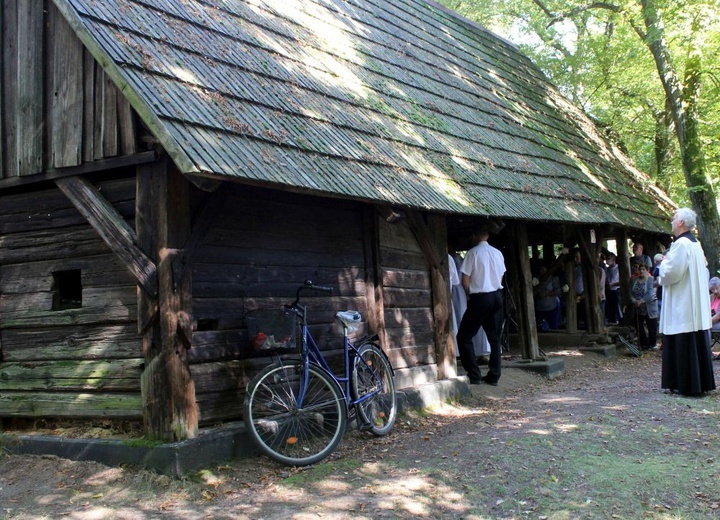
(322, 471)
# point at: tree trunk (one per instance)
(683, 102)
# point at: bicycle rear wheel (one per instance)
(285, 432)
(372, 374)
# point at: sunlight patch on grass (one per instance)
(566, 427)
(616, 407)
(564, 400)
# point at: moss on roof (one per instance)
(397, 101)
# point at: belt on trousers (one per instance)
(479, 293)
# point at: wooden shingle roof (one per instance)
(399, 101)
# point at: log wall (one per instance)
(57, 106)
(408, 305)
(70, 362)
(260, 249)
(87, 361)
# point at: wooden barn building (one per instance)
(168, 167)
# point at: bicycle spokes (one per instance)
(290, 432)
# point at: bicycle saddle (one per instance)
(349, 319)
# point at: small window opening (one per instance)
(207, 325)
(67, 290)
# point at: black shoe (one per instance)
(489, 382)
(483, 360)
(474, 381)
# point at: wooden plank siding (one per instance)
(57, 107)
(66, 362)
(260, 246)
(408, 305)
(259, 249)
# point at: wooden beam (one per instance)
(30, 86)
(442, 299)
(3, 45)
(9, 63)
(170, 409)
(571, 295)
(592, 285)
(432, 239)
(65, 95)
(623, 262)
(85, 168)
(420, 230)
(146, 218)
(88, 145)
(113, 229)
(373, 277)
(526, 303)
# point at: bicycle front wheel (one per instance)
(373, 385)
(289, 433)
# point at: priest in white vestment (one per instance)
(684, 318)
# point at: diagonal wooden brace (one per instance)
(112, 228)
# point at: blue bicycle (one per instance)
(296, 410)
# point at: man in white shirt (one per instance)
(684, 318)
(482, 271)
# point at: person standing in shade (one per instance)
(684, 318)
(639, 257)
(612, 293)
(658, 258)
(482, 272)
(579, 290)
(644, 302)
(459, 305)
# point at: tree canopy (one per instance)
(600, 55)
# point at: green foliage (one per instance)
(598, 60)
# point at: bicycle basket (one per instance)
(270, 329)
(348, 319)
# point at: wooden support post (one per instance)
(623, 262)
(169, 408)
(571, 295)
(432, 238)
(373, 277)
(524, 289)
(595, 319)
(442, 300)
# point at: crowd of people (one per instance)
(664, 295)
(639, 309)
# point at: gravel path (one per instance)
(603, 441)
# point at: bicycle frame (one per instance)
(310, 353)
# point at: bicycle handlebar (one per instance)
(308, 285)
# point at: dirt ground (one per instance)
(602, 441)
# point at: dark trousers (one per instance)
(483, 310)
(612, 306)
(647, 339)
(551, 317)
